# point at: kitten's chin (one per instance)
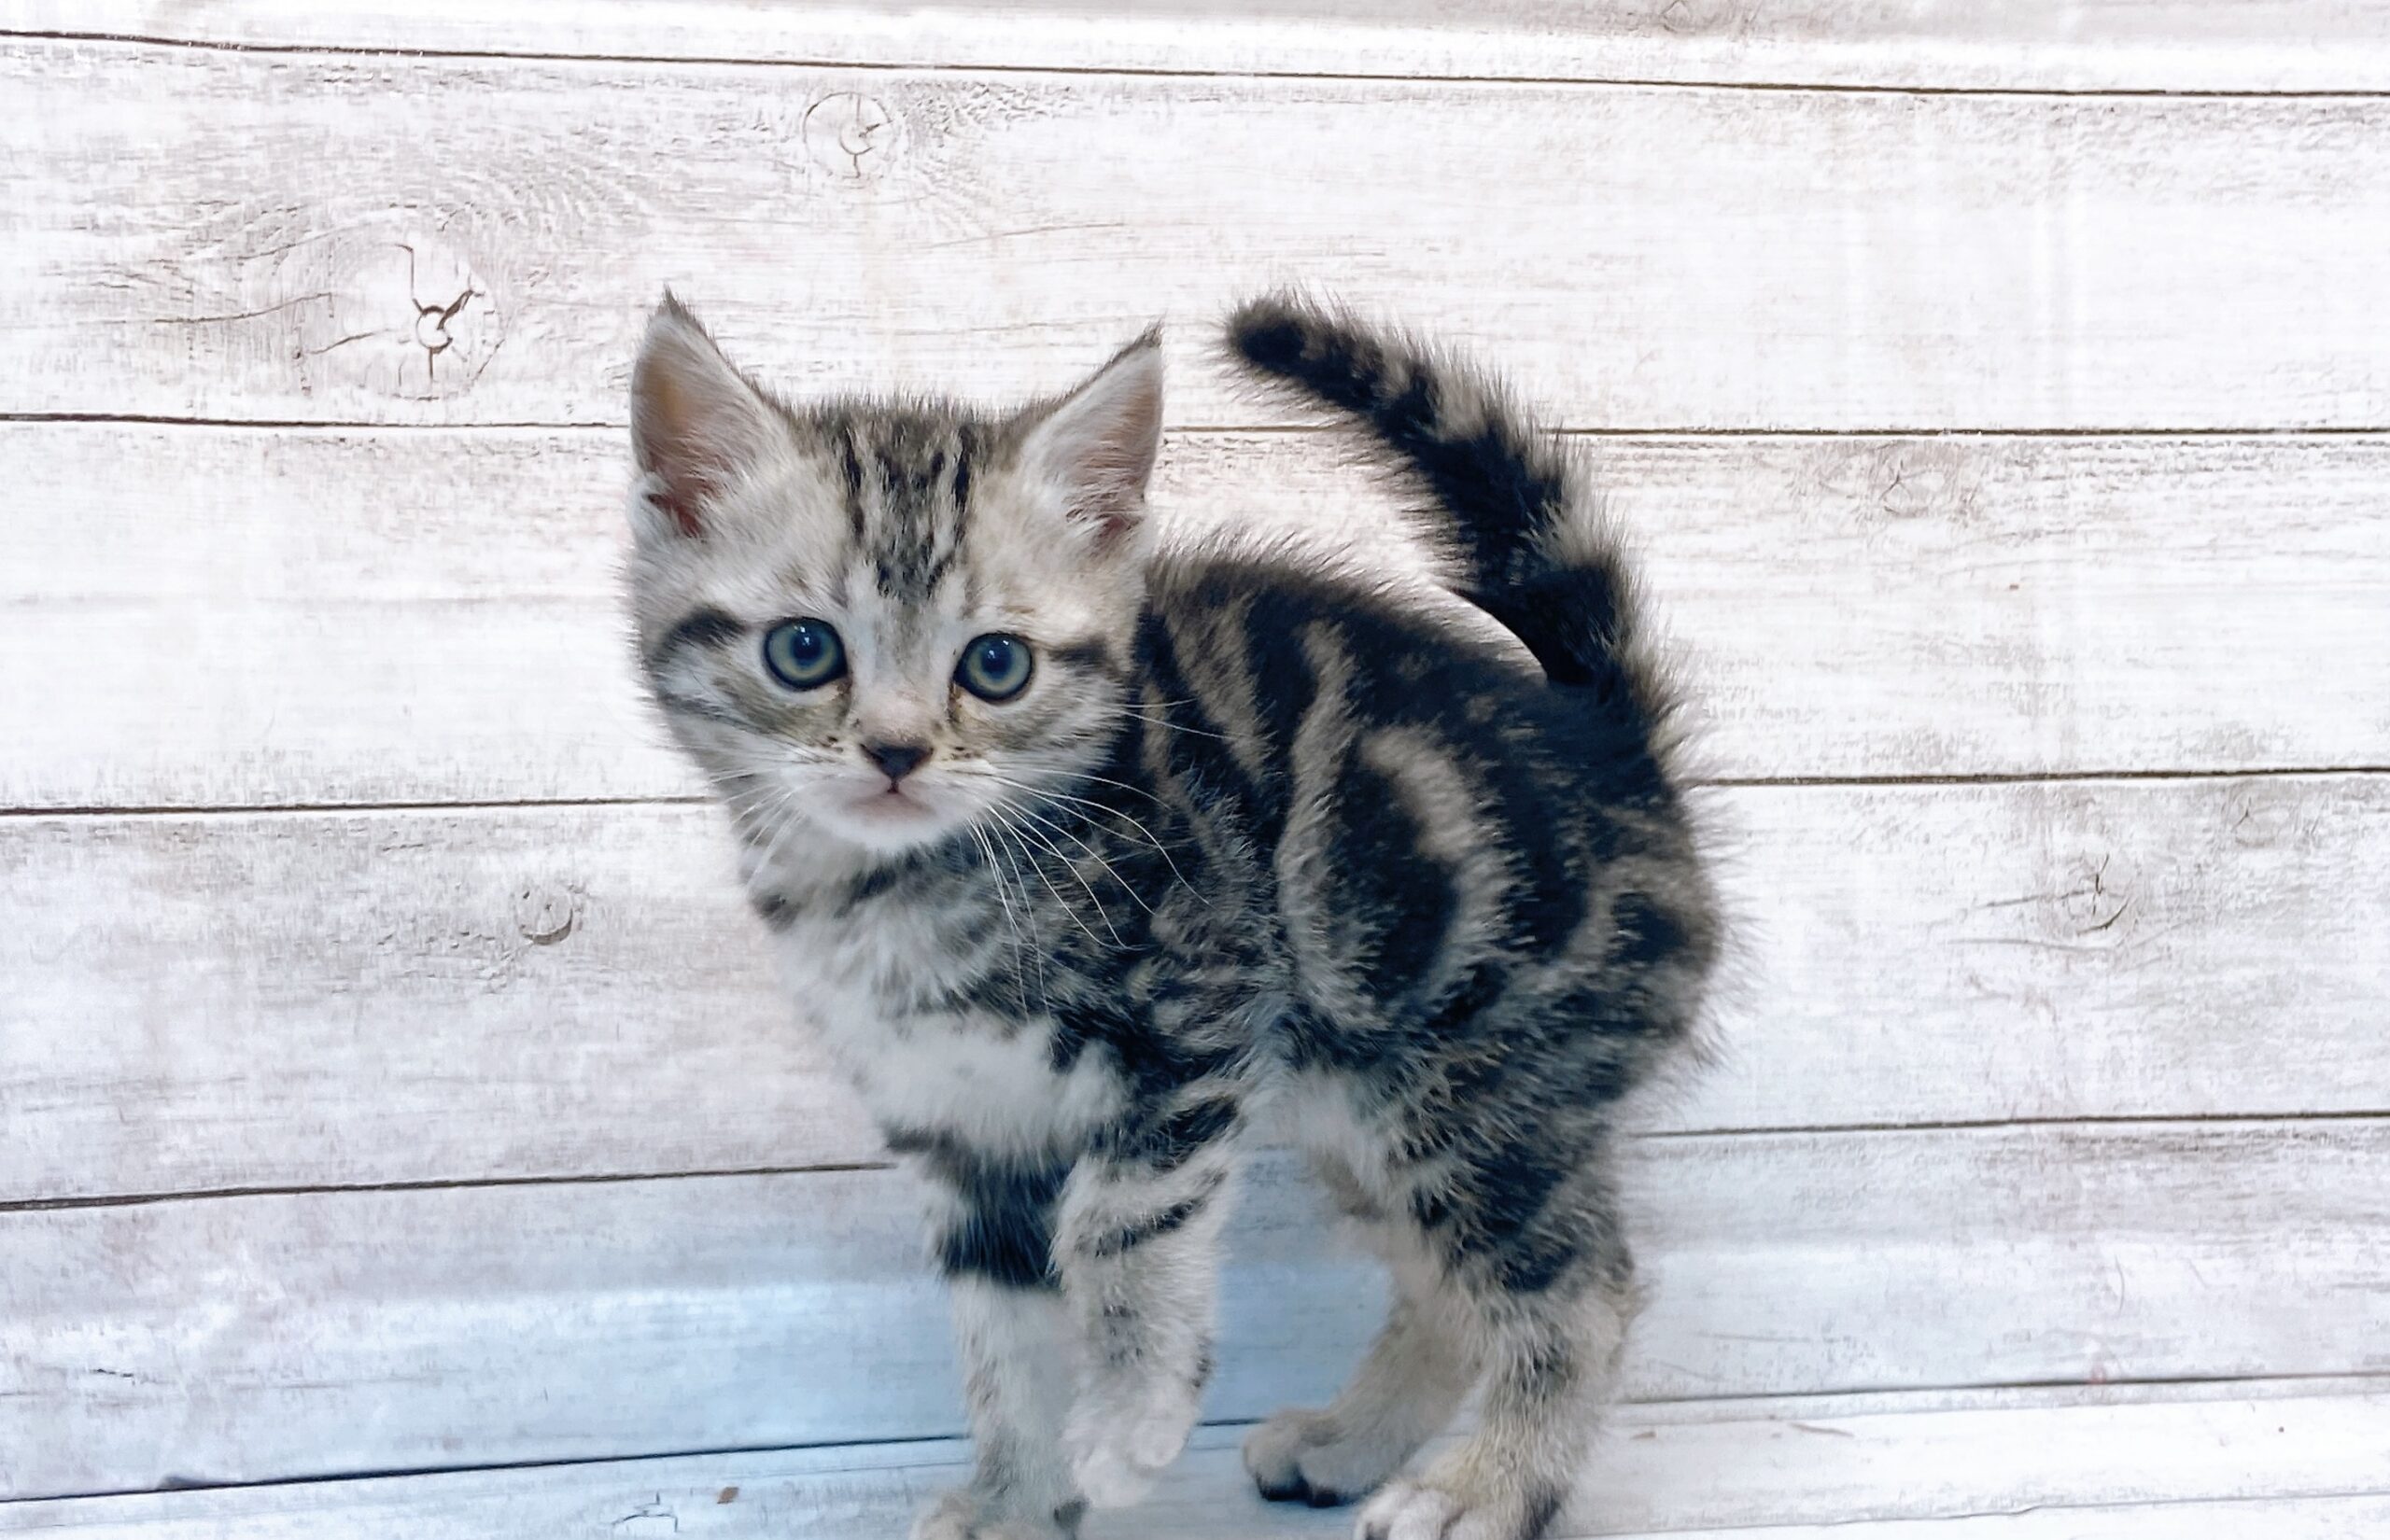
(889, 822)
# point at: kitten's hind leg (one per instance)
(1552, 1349)
(1413, 1379)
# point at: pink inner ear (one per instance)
(1111, 528)
(683, 514)
(1101, 441)
(695, 422)
(667, 424)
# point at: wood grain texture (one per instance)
(300, 222)
(301, 1000)
(222, 235)
(259, 617)
(2286, 1518)
(2165, 45)
(2296, 1460)
(251, 1339)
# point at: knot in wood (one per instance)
(2101, 897)
(849, 135)
(545, 916)
(1689, 15)
(432, 330)
(404, 315)
(2259, 820)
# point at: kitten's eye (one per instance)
(995, 667)
(804, 655)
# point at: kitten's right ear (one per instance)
(697, 423)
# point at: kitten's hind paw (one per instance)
(1456, 1509)
(968, 1514)
(1305, 1457)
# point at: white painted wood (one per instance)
(2170, 45)
(2293, 1460)
(197, 617)
(259, 239)
(233, 1002)
(2291, 1519)
(267, 616)
(247, 1339)
(245, 1001)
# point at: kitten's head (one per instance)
(886, 622)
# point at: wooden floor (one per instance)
(399, 1136)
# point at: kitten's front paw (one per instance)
(1305, 1457)
(1456, 1504)
(969, 1514)
(1118, 1443)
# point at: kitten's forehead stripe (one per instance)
(967, 447)
(850, 475)
(909, 470)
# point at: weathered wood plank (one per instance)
(2291, 1461)
(293, 1000)
(247, 616)
(2173, 45)
(246, 1001)
(223, 235)
(2275, 1519)
(246, 1338)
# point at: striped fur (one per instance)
(1252, 834)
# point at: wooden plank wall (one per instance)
(388, 1079)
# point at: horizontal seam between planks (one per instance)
(135, 419)
(2044, 778)
(1321, 429)
(2061, 1504)
(468, 805)
(433, 1184)
(2191, 1122)
(1587, 82)
(1986, 1125)
(2086, 1506)
(957, 1449)
(238, 809)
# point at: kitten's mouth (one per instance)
(892, 802)
(891, 818)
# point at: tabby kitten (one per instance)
(1072, 849)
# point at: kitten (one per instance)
(1072, 848)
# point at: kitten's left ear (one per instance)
(1098, 444)
(697, 423)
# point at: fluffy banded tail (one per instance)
(1538, 557)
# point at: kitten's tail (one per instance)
(1538, 555)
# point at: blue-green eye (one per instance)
(995, 667)
(804, 655)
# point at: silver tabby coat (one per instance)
(1076, 852)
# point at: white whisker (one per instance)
(1012, 922)
(1160, 848)
(1128, 710)
(1030, 836)
(1093, 854)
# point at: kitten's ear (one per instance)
(1098, 444)
(696, 421)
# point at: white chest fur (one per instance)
(986, 1080)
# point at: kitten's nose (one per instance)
(897, 759)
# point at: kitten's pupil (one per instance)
(995, 666)
(804, 655)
